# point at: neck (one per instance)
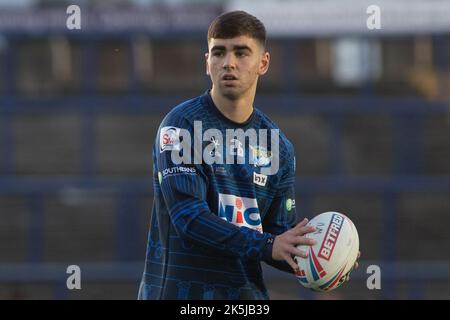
(237, 110)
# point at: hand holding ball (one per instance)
(333, 256)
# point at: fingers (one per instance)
(299, 240)
(291, 262)
(290, 247)
(303, 223)
(285, 245)
(355, 266)
(301, 230)
(299, 253)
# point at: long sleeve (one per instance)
(282, 213)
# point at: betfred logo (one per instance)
(330, 239)
(169, 139)
(240, 211)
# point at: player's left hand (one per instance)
(355, 266)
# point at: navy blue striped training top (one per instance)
(213, 223)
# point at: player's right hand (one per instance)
(285, 244)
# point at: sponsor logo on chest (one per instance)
(240, 211)
(259, 179)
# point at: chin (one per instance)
(231, 93)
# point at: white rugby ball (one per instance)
(332, 257)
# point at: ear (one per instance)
(206, 63)
(264, 63)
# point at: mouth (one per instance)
(229, 77)
(229, 80)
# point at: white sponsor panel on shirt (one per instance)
(240, 211)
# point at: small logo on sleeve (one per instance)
(290, 204)
(169, 139)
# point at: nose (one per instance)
(229, 61)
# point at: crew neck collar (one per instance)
(213, 107)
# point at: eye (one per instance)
(218, 53)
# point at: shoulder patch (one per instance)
(169, 139)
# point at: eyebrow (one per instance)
(236, 47)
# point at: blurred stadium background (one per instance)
(367, 111)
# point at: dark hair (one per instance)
(237, 23)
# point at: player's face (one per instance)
(235, 64)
